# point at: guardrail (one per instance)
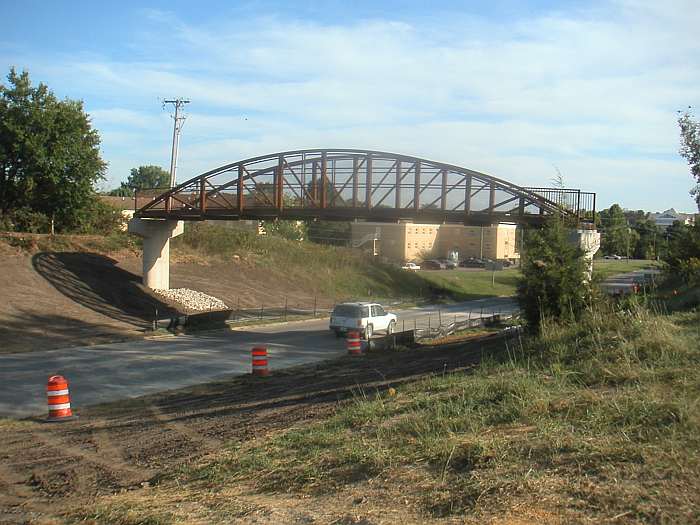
(456, 326)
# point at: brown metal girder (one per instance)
(393, 166)
(415, 202)
(183, 202)
(255, 188)
(524, 205)
(444, 195)
(324, 178)
(422, 188)
(301, 184)
(223, 197)
(341, 189)
(344, 214)
(347, 153)
(301, 197)
(506, 201)
(368, 181)
(486, 184)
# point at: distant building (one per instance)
(665, 219)
(124, 204)
(251, 226)
(407, 241)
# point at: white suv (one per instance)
(367, 318)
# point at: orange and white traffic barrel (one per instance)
(353, 343)
(58, 397)
(260, 361)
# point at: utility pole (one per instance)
(179, 119)
(481, 242)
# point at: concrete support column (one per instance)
(589, 242)
(156, 234)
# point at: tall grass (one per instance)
(603, 410)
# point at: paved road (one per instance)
(110, 372)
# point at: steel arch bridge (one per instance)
(346, 184)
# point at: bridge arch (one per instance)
(346, 184)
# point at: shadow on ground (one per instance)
(27, 331)
(96, 282)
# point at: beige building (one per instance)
(125, 205)
(410, 241)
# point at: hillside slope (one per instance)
(75, 290)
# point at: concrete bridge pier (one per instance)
(156, 234)
(589, 242)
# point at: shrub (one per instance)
(553, 283)
(25, 220)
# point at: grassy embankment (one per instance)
(604, 268)
(31, 243)
(327, 270)
(337, 271)
(596, 420)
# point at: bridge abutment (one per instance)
(589, 242)
(156, 234)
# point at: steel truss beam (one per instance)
(276, 186)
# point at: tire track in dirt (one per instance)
(207, 443)
(111, 463)
(13, 488)
(20, 503)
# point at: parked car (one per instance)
(449, 264)
(472, 262)
(434, 264)
(615, 257)
(367, 318)
(411, 267)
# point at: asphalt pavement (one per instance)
(110, 372)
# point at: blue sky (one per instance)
(587, 88)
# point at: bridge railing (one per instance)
(580, 203)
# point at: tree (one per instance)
(648, 236)
(292, 230)
(141, 178)
(49, 154)
(617, 237)
(690, 149)
(683, 255)
(329, 232)
(553, 283)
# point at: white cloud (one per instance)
(592, 90)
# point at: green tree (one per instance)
(690, 149)
(49, 154)
(292, 230)
(329, 232)
(142, 178)
(683, 255)
(616, 236)
(553, 283)
(648, 240)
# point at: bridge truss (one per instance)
(346, 184)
